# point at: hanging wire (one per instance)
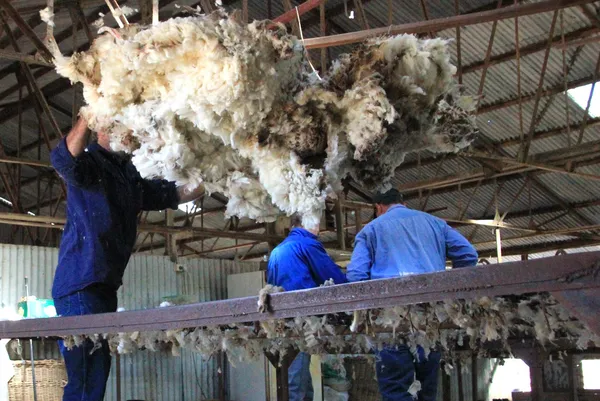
(305, 49)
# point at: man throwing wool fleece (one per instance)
(105, 193)
(401, 242)
(298, 263)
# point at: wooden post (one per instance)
(171, 238)
(339, 224)
(474, 377)
(446, 388)
(282, 365)
(118, 374)
(498, 245)
(461, 393)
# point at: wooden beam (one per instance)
(23, 26)
(503, 104)
(361, 14)
(58, 223)
(571, 39)
(323, 28)
(513, 141)
(287, 6)
(32, 84)
(26, 162)
(78, 18)
(524, 150)
(24, 58)
(445, 23)
(539, 248)
(290, 15)
(339, 223)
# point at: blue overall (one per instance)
(402, 242)
(105, 193)
(300, 262)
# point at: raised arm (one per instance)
(162, 194)
(70, 159)
(78, 137)
(459, 250)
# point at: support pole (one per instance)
(461, 393)
(31, 355)
(474, 376)
(282, 365)
(498, 245)
(118, 374)
(339, 224)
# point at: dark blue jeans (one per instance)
(396, 370)
(87, 371)
(299, 380)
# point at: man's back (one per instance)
(300, 262)
(403, 242)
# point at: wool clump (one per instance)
(210, 100)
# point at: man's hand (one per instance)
(78, 137)
(188, 196)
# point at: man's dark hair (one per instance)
(390, 197)
(296, 220)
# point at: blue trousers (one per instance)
(299, 380)
(396, 370)
(87, 371)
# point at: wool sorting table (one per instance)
(572, 279)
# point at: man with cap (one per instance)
(402, 242)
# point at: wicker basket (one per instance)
(51, 378)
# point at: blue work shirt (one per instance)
(300, 262)
(105, 193)
(402, 242)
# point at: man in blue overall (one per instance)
(105, 193)
(300, 262)
(401, 242)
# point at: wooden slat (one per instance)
(445, 23)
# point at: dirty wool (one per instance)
(481, 325)
(209, 100)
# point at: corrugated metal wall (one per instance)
(38, 264)
(154, 376)
(148, 279)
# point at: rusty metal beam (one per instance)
(562, 273)
(445, 23)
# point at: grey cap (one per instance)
(388, 198)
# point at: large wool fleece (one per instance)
(209, 100)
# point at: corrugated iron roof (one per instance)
(497, 126)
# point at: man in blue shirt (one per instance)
(105, 193)
(300, 262)
(401, 242)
